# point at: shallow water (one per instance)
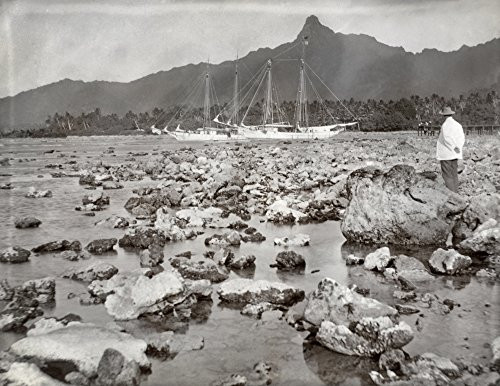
(233, 343)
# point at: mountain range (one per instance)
(353, 66)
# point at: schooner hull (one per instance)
(188, 137)
(313, 134)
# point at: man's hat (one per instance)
(447, 111)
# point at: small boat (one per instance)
(155, 131)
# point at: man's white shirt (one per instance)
(450, 137)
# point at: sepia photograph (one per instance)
(249, 192)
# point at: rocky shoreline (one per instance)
(386, 193)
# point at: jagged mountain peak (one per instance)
(312, 21)
(356, 66)
(312, 27)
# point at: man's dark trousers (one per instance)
(449, 168)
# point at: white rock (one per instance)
(135, 294)
(27, 374)
(378, 260)
(299, 240)
(83, 345)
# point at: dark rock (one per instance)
(97, 271)
(14, 255)
(100, 246)
(43, 290)
(115, 370)
(255, 237)
(27, 222)
(58, 246)
(6, 291)
(197, 270)
(392, 360)
(142, 238)
(257, 291)
(404, 309)
(354, 260)
(289, 260)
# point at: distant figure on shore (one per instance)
(449, 148)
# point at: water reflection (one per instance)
(337, 369)
(180, 319)
(247, 273)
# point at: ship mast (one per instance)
(301, 115)
(268, 107)
(235, 98)
(206, 105)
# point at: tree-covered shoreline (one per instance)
(476, 108)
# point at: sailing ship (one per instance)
(282, 129)
(207, 132)
(274, 123)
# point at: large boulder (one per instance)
(257, 291)
(83, 345)
(399, 206)
(14, 255)
(338, 304)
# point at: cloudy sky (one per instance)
(43, 41)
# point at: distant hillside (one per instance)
(354, 66)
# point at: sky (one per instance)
(43, 41)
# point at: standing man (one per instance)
(449, 148)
